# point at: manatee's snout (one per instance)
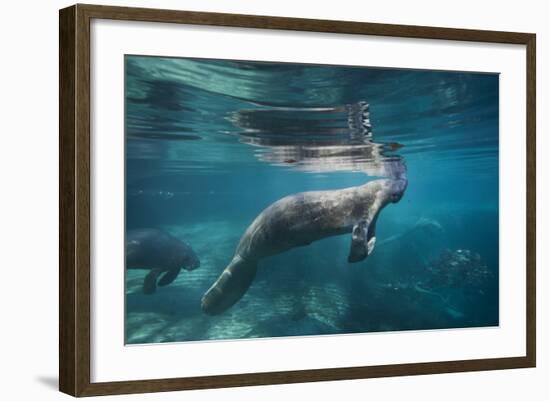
(192, 263)
(397, 189)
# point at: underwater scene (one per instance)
(268, 199)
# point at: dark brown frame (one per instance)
(74, 199)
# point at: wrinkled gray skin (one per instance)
(299, 220)
(159, 252)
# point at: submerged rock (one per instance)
(458, 268)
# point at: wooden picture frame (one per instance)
(74, 199)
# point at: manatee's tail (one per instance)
(230, 286)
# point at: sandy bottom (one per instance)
(306, 291)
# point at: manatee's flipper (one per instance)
(371, 235)
(230, 286)
(150, 281)
(370, 245)
(169, 276)
(359, 247)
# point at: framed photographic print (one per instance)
(252, 200)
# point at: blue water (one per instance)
(211, 143)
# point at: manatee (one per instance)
(298, 220)
(161, 254)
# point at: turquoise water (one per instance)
(211, 143)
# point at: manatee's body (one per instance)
(299, 220)
(159, 252)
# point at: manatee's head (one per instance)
(190, 261)
(395, 188)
